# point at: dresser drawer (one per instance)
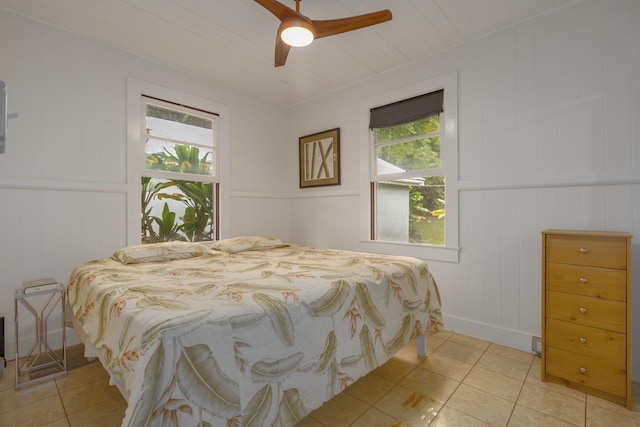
(587, 311)
(604, 283)
(587, 250)
(586, 370)
(597, 343)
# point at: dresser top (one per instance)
(590, 233)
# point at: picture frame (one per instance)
(320, 158)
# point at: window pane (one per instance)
(181, 158)
(424, 126)
(164, 122)
(409, 156)
(411, 211)
(176, 210)
(179, 140)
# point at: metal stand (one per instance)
(54, 295)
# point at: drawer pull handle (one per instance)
(583, 250)
(583, 280)
(583, 310)
(582, 340)
(583, 371)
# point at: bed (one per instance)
(249, 332)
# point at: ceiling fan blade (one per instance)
(278, 9)
(282, 51)
(330, 27)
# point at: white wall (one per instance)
(549, 130)
(63, 178)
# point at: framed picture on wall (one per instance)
(320, 159)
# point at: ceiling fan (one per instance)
(297, 30)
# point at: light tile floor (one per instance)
(463, 381)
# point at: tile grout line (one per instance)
(523, 382)
(461, 381)
(521, 388)
(454, 390)
(66, 415)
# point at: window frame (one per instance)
(136, 89)
(448, 167)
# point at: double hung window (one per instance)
(179, 179)
(413, 169)
(408, 178)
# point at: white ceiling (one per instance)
(232, 41)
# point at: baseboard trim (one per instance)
(496, 334)
(54, 338)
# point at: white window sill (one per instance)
(425, 252)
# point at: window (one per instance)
(179, 184)
(412, 147)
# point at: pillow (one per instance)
(248, 243)
(154, 252)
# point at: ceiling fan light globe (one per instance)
(297, 34)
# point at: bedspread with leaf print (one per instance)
(257, 338)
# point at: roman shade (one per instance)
(407, 111)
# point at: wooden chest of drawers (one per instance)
(586, 312)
